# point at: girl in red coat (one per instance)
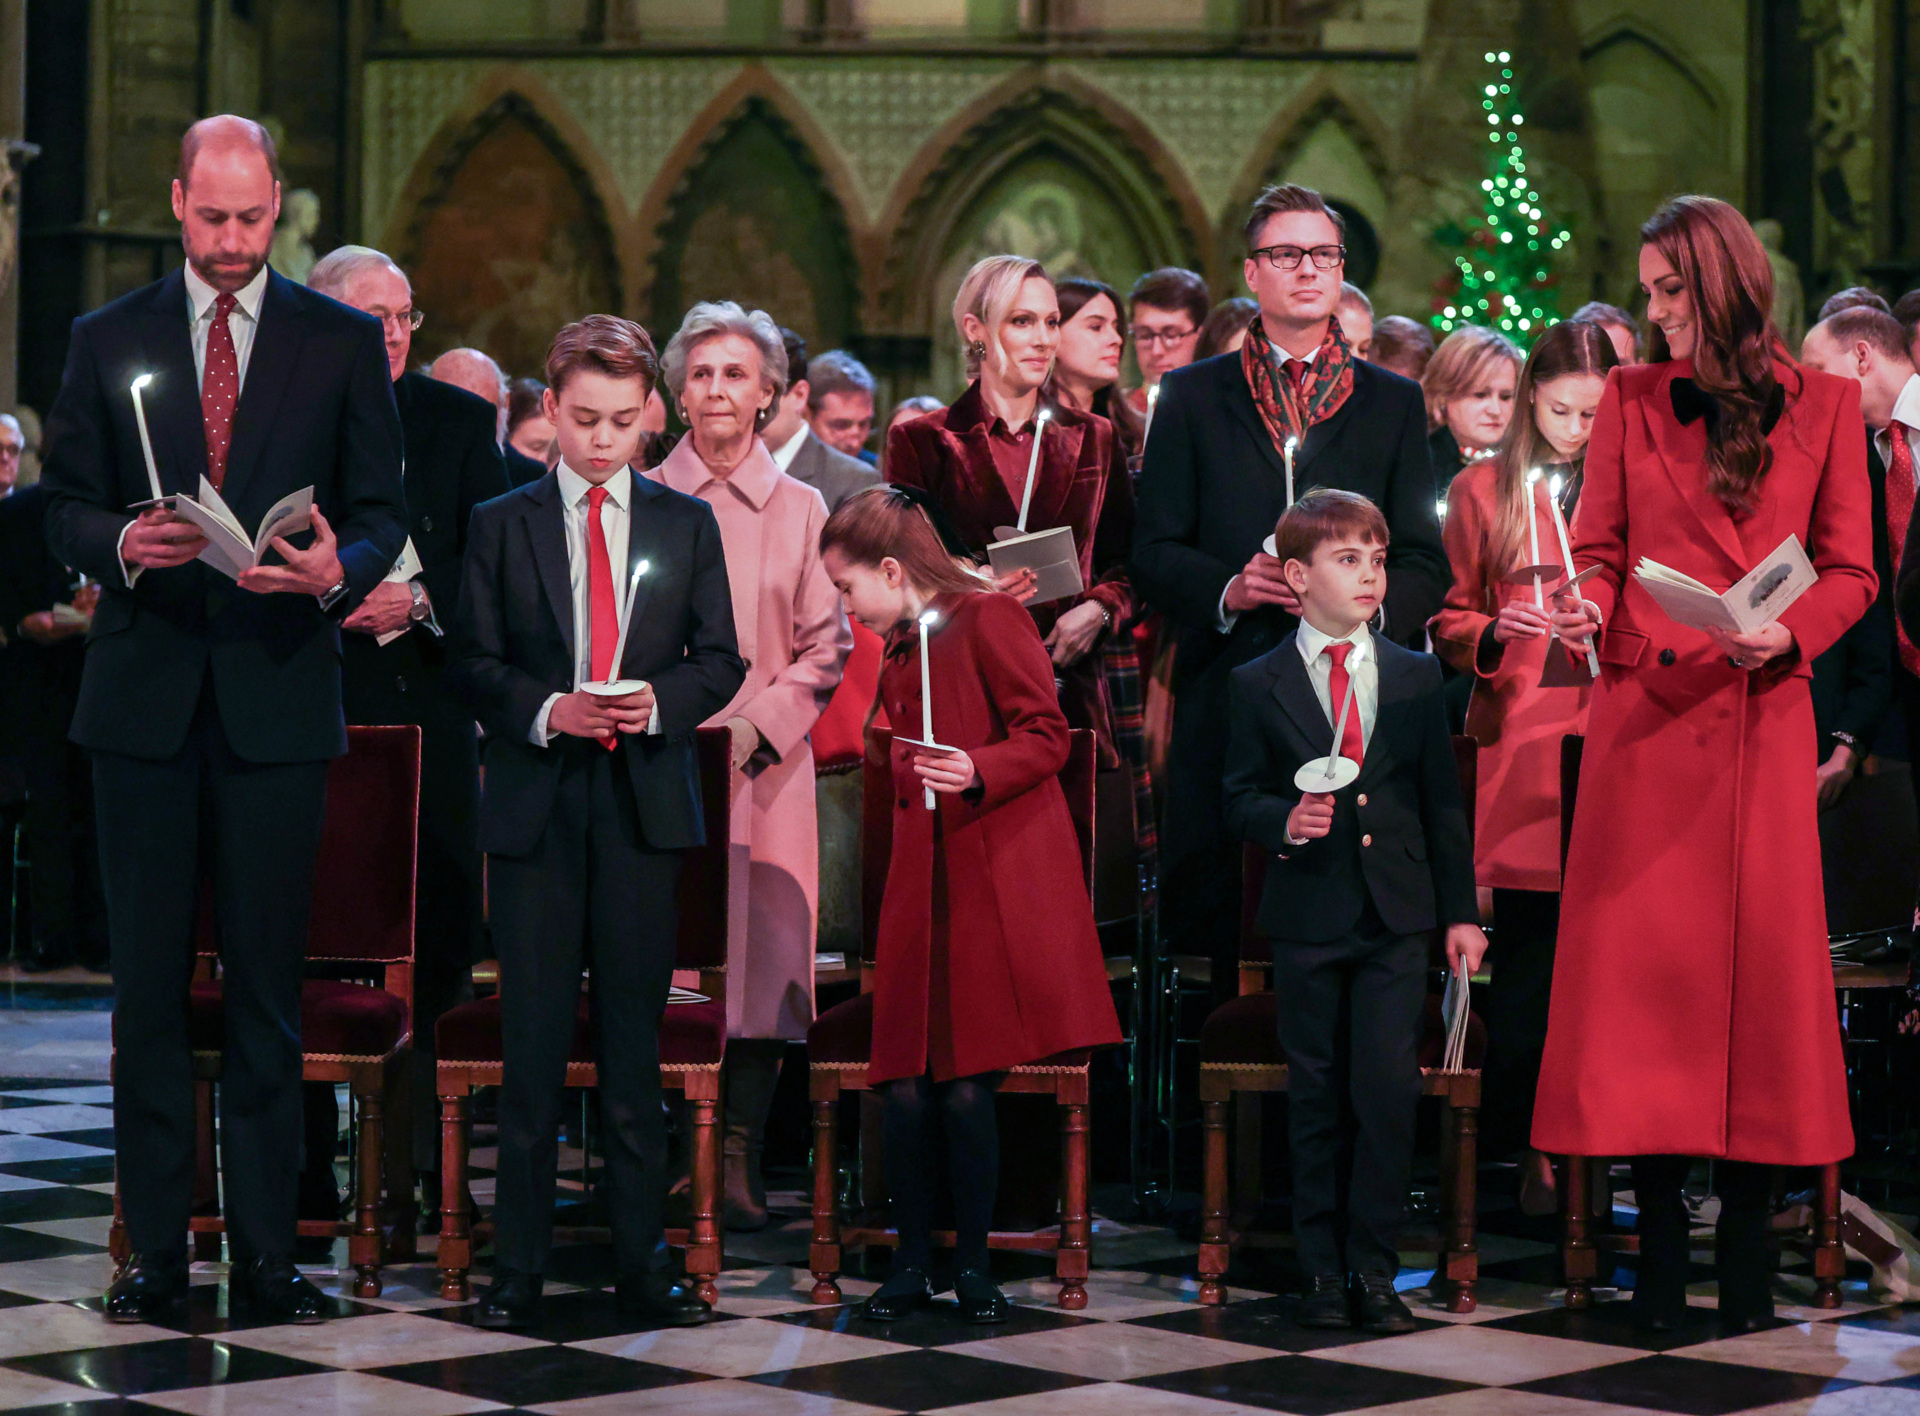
(1692, 1009)
(1493, 630)
(987, 956)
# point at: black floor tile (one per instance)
(112, 1406)
(1686, 1385)
(164, 1365)
(207, 1313)
(564, 1317)
(18, 1084)
(69, 1170)
(1612, 1323)
(937, 1325)
(920, 1381)
(1903, 1320)
(54, 1202)
(1306, 1386)
(538, 1374)
(100, 1136)
(19, 1245)
(18, 1300)
(1260, 1322)
(9, 1103)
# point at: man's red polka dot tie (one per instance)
(219, 389)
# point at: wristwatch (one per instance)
(421, 608)
(332, 597)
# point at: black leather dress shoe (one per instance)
(907, 1291)
(1381, 1309)
(980, 1299)
(512, 1302)
(659, 1300)
(1326, 1304)
(272, 1287)
(145, 1288)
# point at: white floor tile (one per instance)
(1110, 1352)
(1476, 1354)
(383, 1340)
(18, 1389)
(1819, 1350)
(1104, 1399)
(40, 1120)
(721, 1398)
(742, 1349)
(319, 1394)
(58, 1327)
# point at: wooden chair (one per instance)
(1240, 1058)
(693, 1043)
(349, 1032)
(1581, 1245)
(840, 1043)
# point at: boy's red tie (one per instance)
(1350, 745)
(606, 610)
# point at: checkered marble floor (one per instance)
(1142, 1346)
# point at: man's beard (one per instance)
(223, 278)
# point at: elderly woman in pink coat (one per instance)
(726, 368)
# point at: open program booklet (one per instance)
(229, 549)
(1755, 601)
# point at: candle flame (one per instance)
(1533, 475)
(1440, 508)
(1292, 443)
(929, 618)
(1043, 415)
(142, 382)
(641, 568)
(1153, 397)
(1553, 485)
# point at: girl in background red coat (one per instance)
(987, 956)
(1693, 1009)
(1492, 631)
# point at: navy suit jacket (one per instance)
(513, 646)
(316, 408)
(1407, 848)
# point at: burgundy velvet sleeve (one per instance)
(1007, 652)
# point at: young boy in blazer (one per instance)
(590, 802)
(1360, 879)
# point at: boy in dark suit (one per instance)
(1362, 877)
(590, 801)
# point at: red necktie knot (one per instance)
(1339, 685)
(224, 304)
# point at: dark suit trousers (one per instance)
(1350, 1013)
(1525, 925)
(255, 828)
(591, 893)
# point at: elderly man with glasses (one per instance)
(1213, 483)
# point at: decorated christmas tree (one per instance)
(1504, 274)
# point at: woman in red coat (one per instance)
(1494, 630)
(1693, 1010)
(987, 956)
(973, 458)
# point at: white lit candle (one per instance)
(928, 619)
(626, 621)
(146, 443)
(1566, 559)
(1340, 731)
(1033, 465)
(1292, 443)
(1533, 538)
(1153, 397)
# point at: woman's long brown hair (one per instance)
(1076, 292)
(1730, 282)
(1570, 347)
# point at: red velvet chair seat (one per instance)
(337, 1019)
(1244, 1032)
(842, 1035)
(691, 1035)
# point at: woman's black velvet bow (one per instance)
(1691, 402)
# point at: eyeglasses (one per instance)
(411, 318)
(1289, 257)
(1148, 338)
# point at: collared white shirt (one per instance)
(1363, 672)
(241, 324)
(615, 518)
(784, 454)
(1906, 410)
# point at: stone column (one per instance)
(13, 124)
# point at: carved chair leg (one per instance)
(1829, 1258)
(456, 1243)
(703, 1238)
(823, 1255)
(1577, 1257)
(1461, 1263)
(1072, 1259)
(1248, 1151)
(1216, 1238)
(363, 1249)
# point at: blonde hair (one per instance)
(987, 293)
(1458, 363)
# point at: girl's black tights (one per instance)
(963, 1110)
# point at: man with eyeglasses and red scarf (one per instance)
(1213, 483)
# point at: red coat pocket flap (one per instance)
(1622, 648)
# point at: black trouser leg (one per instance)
(632, 929)
(1660, 1290)
(1388, 988)
(1526, 923)
(1742, 1259)
(973, 1164)
(905, 1145)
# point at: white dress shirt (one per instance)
(241, 324)
(1227, 620)
(1906, 411)
(784, 454)
(615, 514)
(1363, 672)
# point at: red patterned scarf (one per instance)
(1289, 411)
